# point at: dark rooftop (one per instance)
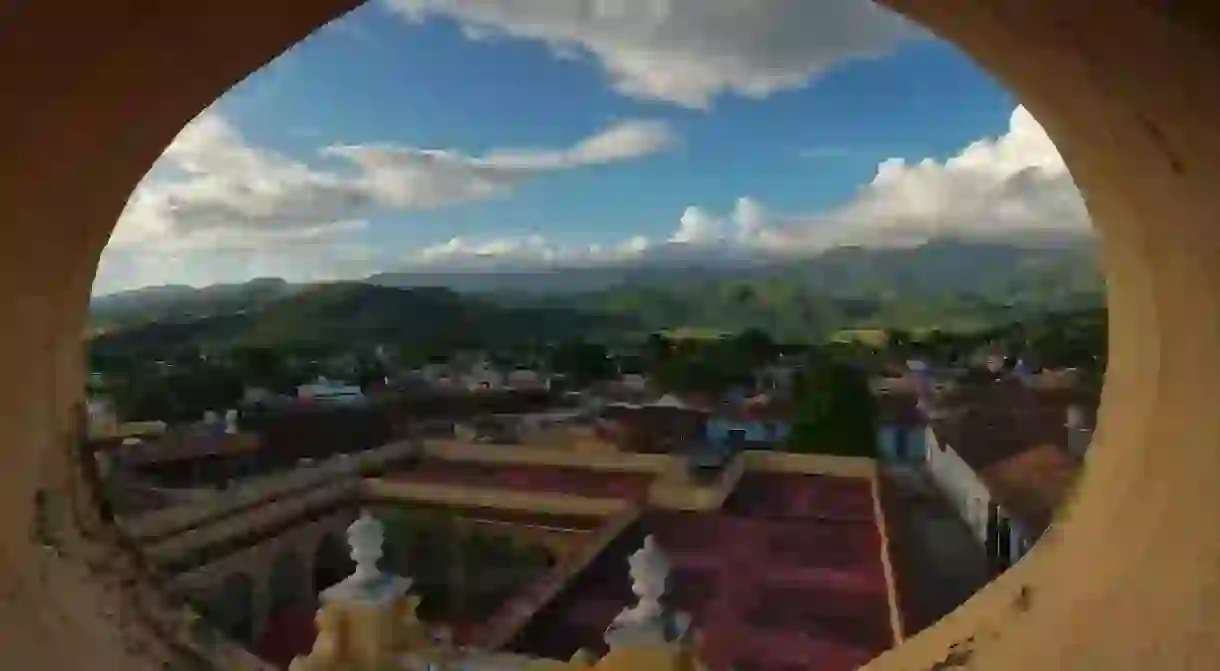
(289, 632)
(1016, 440)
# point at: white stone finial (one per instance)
(367, 582)
(365, 537)
(648, 621)
(649, 574)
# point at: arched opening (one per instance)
(1127, 94)
(332, 562)
(289, 630)
(290, 583)
(230, 609)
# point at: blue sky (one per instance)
(754, 135)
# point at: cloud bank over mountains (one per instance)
(685, 52)
(219, 207)
(1013, 187)
(220, 203)
(266, 214)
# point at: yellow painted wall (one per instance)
(810, 464)
(95, 91)
(507, 499)
(546, 456)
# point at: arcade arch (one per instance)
(290, 583)
(1130, 579)
(332, 562)
(231, 608)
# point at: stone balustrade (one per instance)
(368, 622)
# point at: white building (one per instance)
(525, 379)
(634, 382)
(1000, 456)
(483, 378)
(964, 489)
(327, 391)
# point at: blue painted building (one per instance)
(724, 429)
(901, 429)
(899, 443)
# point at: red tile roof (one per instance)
(797, 495)
(772, 584)
(1033, 485)
(1016, 440)
(288, 633)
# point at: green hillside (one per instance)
(359, 315)
(946, 285)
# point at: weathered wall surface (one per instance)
(94, 91)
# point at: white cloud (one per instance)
(213, 192)
(686, 51)
(228, 184)
(696, 226)
(532, 251)
(411, 178)
(1016, 185)
(1012, 187)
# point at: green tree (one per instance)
(897, 340)
(206, 387)
(710, 368)
(584, 361)
(657, 348)
(688, 374)
(756, 345)
(836, 411)
(144, 398)
(260, 366)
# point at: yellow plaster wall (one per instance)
(508, 499)
(891, 584)
(454, 450)
(810, 464)
(94, 91)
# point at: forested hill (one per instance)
(178, 303)
(357, 314)
(948, 285)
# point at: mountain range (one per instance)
(945, 283)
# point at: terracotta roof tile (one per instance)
(989, 421)
(1033, 485)
(1016, 439)
(773, 591)
(288, 633)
